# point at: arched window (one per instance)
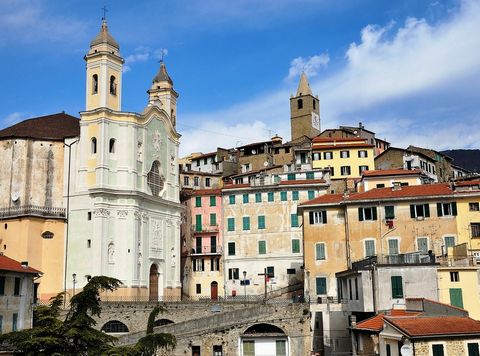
(113, 85)
(94, 145)
(111, 147)
(263, 328)
(95, 84)
(114, 326)
(299, 103)
(47, 235)
(154, 180)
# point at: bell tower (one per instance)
(104, 72)
(162, 94)
(304, 111)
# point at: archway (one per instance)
(162, 322)
(153, 287)
(214, 290)
(268, 338)
(114, 326)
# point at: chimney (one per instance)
(24, 264)
(396, 186)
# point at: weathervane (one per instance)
(163, 53)
(104, 8)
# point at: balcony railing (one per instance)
(457, 261)
(32, 210)
(398, 259)
(207, 250)
(205, 228)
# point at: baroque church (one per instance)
(116, 187)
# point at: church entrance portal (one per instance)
(153, 288)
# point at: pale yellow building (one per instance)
(468, 219)
(388, 178)
(33, 195)
(346, 157)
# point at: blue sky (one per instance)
(408, 70)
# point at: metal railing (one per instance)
(206, 250)
(34, 210)
(397, 259)
(205, 228)
(457, 261)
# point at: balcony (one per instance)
(206, 250)
(204, 228)
(413, 258)
(32, 210)
(457, 261)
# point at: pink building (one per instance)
(202, 249)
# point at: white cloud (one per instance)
(28, 21)
(310, 65)
(214, 134)
(142, 54)
(389, 65)
(13, 118)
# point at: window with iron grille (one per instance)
(154, 180)
(475, 227)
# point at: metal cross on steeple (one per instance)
(104, 8)
(163, 53)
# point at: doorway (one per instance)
(153, 287)
(214, 290)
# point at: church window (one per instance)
(94, 145)
(95, 84)
(300, 103)
(89, 243)
(314, 104)
(154, 180)
(111, 147)
(113, 85)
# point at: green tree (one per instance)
(76, 335)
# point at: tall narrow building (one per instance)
(304, 111)
(124, 218)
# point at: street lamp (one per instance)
(74, 275)
(244, 287)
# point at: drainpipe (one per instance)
(374, 296)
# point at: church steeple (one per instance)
(104, 71)
(304, 111)
(162, 94)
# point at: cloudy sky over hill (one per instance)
(408, 70)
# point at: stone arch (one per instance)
(153, 283)
(114, 326)
(263, 328)
(162, 322)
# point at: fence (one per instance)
(35, 210)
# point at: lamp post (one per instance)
(244, 287)
(74, 275)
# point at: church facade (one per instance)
(124, 210)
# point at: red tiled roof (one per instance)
(50, 127)
(324, 199)
(375, 323)
(434, 326)
(343, 145)
(9, 264)
(467, 183)
(404, 192)
(206, 192)
(302, 181)
(203, 155)
(338, 139)
(390, 172)
(233, 186)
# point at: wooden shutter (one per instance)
(412, 211)
(310, 217)
(439, 209)
(324, 216)
(454, 209)
(397, 287)
(456, 297)
(374, 213)
(360, 214)
(427, 210)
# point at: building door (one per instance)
(153, 288)
(456, 297)
(214, 290)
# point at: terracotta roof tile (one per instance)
(206, 192)
(338, 139)
(343, 145)
(302, 181)
(50, 127)
(434, 326)
(467, 183)
(390, 172)
(375, 323)
(325, 199)
(404, 192)
(9, 264)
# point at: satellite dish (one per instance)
(265, 164)
(406, 350)
(254, 152)
(15, 196)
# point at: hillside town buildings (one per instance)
(354, 240)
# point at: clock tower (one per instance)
(304, 111)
